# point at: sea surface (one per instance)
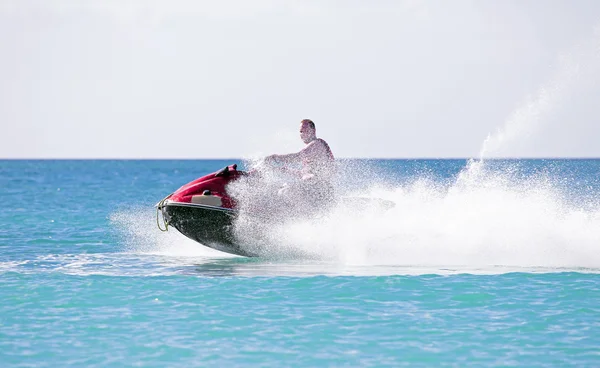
(480, 263)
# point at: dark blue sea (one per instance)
(492, 263)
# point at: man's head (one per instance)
(307, 130)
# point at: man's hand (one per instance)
(272, 159)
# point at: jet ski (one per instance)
(205, 211)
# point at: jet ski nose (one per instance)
(161, 203)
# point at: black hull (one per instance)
(208, 225)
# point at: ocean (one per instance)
(480, 263)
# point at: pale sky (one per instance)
(233, 78)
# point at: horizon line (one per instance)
(338, 158)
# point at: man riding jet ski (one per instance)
(208, 209)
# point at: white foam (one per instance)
(484, 219)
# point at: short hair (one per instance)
(309, 122)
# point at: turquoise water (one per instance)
(485, 265)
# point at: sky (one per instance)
(189, 79)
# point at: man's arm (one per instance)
(293, 157)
